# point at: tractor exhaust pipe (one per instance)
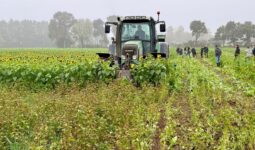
(158, 15)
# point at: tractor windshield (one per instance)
(136, 31)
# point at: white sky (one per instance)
(174, 12)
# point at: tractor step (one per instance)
(156, 55)
(104, 56)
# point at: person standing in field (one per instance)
(253, 52)
(185, 51)
(217, 55)
(248, 53)
(181, 51)
(178, 51)
(202, 52)
(188, 51)
(194, 52)
(237, 52)
(206, 50)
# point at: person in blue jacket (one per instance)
(218, 55)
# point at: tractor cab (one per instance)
(139, 33)
(136, 37)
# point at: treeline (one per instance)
(24, 33)
(199, 35)
(63, 31)
(236, 33)
(177, 36)
(66, 31)
(231, 34)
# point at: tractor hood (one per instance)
(136, 43)
(131, 52)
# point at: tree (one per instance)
(82, 32)
(197, 28)
(60, 29)
(99, 35)
(170, 35)
(104, 41)
(231, 31)
(25, 33)
(220, 35)
(177, 35)
(247, 31)
(4, 33)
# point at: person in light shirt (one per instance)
(248, 53)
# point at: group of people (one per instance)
(187, 51)
(250, 52)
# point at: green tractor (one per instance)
(136, 38)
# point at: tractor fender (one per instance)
(164, 48)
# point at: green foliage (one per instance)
(150, 71)
(96, 117)
(52, 75)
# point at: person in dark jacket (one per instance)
(194, 52)
(206, 50)
(140, 34)
(188, 51)
(202, 52)
(181, 51)
(238, 51)
(253, 52)
(218, 55)
(178, 51)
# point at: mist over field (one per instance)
(176, 12)
(178, 15)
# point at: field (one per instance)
(68, 99)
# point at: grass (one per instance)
(196, 106)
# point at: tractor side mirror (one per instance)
(162, 27)
(107, 28)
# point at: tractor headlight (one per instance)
(123, 57)
(134, 56)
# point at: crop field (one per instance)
(52, 99)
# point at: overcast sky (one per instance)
(174, 12)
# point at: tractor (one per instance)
(136, 38)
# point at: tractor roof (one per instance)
(138, 18)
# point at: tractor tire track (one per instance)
(182, 118)
(161, 125)
(160, 129)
